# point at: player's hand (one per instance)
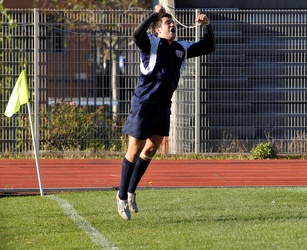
(202, 19)
(160, 10)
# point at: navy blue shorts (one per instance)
(148, 119)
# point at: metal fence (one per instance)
(82, 68)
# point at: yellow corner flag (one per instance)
(19, 96)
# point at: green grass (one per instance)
(206, 218)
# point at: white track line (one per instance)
(82, 223)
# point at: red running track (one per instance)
(65, 174)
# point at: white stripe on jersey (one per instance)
(154, 41)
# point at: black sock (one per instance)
(127, 170)
(139, 170)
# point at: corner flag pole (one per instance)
(35, 151)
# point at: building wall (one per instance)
(18, 4)
(26, 4)
(242, 4)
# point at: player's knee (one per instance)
(146, 157)
(148, 154)
(132, 156)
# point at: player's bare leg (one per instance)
(135, 147)
(151, 146)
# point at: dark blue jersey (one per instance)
(162, 63)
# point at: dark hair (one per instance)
(158, 23)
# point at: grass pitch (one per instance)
(197, 218)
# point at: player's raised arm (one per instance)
(139, 35)
(206, 44)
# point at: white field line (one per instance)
(82, 223)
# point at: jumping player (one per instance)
(162, 61)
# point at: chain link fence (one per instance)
(82, 68)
